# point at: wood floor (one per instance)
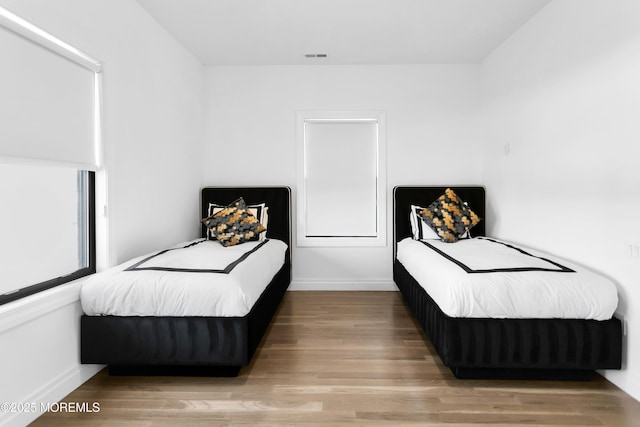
(344, 358)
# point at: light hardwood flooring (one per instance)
(345, 359)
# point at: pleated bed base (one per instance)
(558, 349)
(212, 346)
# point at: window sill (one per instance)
(23, 310)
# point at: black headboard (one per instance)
(405, 196)
(278, 199)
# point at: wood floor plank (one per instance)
(344, 359)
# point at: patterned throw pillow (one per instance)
(234, 224)
(260, 211)
(449, 216)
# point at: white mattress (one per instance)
(504, 282)
(189, 287)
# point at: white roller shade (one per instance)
(341, 178)
(47, 104)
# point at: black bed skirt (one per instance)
(513, 348)
(181, 345)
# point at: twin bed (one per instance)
(498, 310)
(195, 308)
(201, 307)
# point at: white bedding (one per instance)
(542, 290)
(149, 291)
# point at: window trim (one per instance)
(354, 116)
(26, 29)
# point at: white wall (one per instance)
(563, 95)
(153, 136)
(432, 138)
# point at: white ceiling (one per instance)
(278, 32)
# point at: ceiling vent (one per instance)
(315, 55)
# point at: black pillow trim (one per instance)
(561, 268)
(226, 270)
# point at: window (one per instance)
(49, 142)
(341, 177)
(47, 227)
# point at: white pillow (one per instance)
(420, 230)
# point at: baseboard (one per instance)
(342, 285)
(625, 380)
(50, 393)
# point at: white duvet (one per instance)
(189, 288)
(481, 278)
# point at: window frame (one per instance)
(359, 116)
